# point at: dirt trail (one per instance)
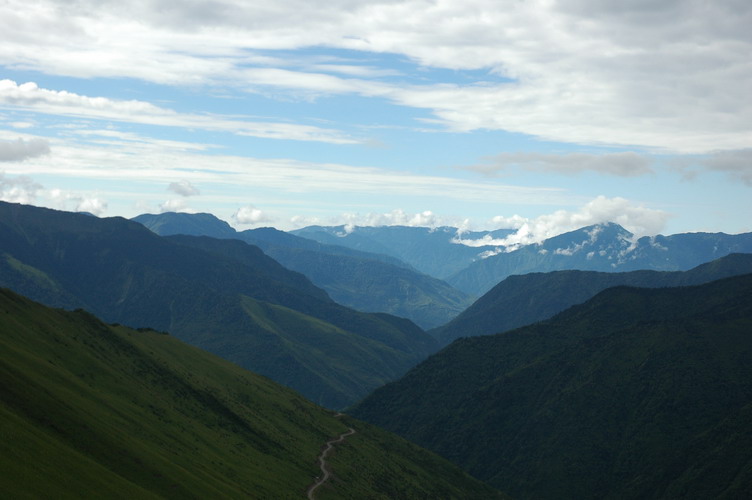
(322, 460)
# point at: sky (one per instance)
(541, 116)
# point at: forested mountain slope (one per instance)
(637, 393)
(524, 299)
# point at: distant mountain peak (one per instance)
(200, 224)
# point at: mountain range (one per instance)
(433, 251)
(444, 252)
(524, 299)
(637, 393)
(94, 410)
(365, 281)
(224, 296)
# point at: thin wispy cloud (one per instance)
(31, 97)
(623, 164)
(282, 104)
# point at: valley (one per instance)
(599, 377)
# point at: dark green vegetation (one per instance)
(90, 410)
(525, 299)
(368, 282)
(222, 295)
(400, 469)
(603, 247)
(637, 393)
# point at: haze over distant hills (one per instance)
(364, 280)
(637, 393)
(602, 247)
(476, 269)
(434, 251)
(524, 299)
(225, 296)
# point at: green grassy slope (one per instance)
(95, 410)
(638, 393)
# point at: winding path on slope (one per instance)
(322, 459)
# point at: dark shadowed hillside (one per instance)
(525, 299)
(637, 393)
(222, 295)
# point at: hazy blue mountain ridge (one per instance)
(433, 251)
(602, 247)
(364, 281)
(524, 299)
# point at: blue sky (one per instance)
(542, 116)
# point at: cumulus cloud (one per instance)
(183, 188)
(622, 164)
(396, 217)
(637, 219)
(96, 206)
(63, 199)
(399, 217)
(250, 215)
(21, 189)
(175, 205)
(21, 149)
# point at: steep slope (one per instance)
(602, 247)
(525, 299)
(221, 295)
(638, 393)
(367, 282)
(90, 410)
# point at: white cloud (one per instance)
(96, 206)
(183, 188)
(674, 76)
(396, 217)
(299, 221)
(30, 96)
(637, 219)
(175, 205)
(623, 164)
(21, 149)
(62, 199)
(21, 189)
(115, 162)
(250, 215)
